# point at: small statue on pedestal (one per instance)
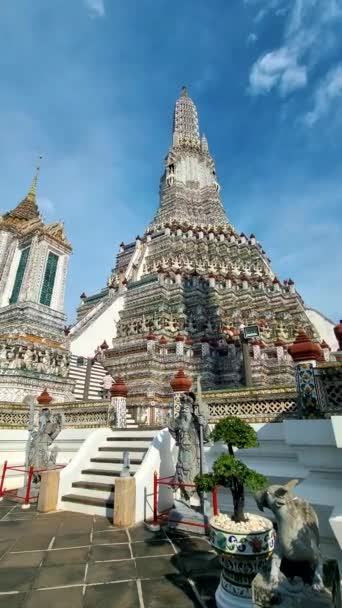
(296, 577)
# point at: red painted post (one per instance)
(155, 498)
(26, 504)
(215, 502)
(2, 483)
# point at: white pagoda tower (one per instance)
(34, 351)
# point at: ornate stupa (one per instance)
(34, 352)
(180, 292)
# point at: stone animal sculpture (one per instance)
(298, 535)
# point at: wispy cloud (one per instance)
(96, 7)
(251, 38)
(326, 95)
(277, 69)
(287, 67)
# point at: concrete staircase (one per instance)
(93, 492)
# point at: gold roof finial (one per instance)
(33, 190)
(184, 91)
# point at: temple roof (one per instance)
(25, 218)
(27, 209)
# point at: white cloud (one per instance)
(251, 38)
(329, 90)
(96, 7)
(308, 23)
(277, 69)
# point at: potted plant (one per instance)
(244, 541)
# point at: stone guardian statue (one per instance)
(186, 431)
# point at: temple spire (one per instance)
(27, 209)
(32, 193)
(185, 122)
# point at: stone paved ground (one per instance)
(66, 559)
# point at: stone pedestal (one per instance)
(189, 519)
(124, 502)
(48, 491)
(287, 594)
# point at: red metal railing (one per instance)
(166, 481)
(28, 499)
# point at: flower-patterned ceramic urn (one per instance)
(243, 555)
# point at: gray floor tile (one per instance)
(21, 515)
(118, 595)
(111, 571)
(22, 560)
(189, 545)
(56, 598)
(173, 591)
(71, 540)
(102, 523)
(110, 536)
(197, 563)
(155, 567)
(32, 542)
(56, 576)
(12, 529)
(103, 552)
(12, 600)
(72, 524)
(153, 547)
(66, 556)
(142, 533)
(16, 579)
(207, 583)
(5, 545)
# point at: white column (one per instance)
(119, 406)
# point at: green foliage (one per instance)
(235, 432)
(205, 482)
(225, 469)
(230, 472)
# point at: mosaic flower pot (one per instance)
(242, 556)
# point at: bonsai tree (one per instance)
(230, 472)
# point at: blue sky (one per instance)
(91, 85)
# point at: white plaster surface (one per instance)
(161, 457)
(102, 328)
(13, 444)
(323, 326)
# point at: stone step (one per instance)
(89, 500)
(94, 485)
(116, 460)
(131, 441)
(139, 433)
(110, 466)
(108, 472)
(120, 450)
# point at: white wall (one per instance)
(161, 457)
(323, 326)
(13, 444)
(308, 450)
(102, 328)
